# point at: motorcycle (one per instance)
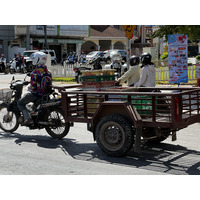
(14, 68)
(72, 59)
(82, 59)
(118, 64)
(4, 68)
(96, 63)
(46, 114)
(96, 66)
(78, 70)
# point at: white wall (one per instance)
(151, 50)
(14, 50)
(48, 63)
(54, 30)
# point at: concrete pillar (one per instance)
(78, 50)
(5, 48)
(48, 63)
(143, 34)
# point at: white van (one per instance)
(53, 55)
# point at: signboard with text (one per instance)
(177, 58)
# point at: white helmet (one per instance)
(38, 58)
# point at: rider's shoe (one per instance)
(28, 122)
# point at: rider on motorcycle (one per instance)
(96, 63)
(148, 72)
(2, 63)
(82, 58)
(133, 74)
(41, 78)
(19, 60)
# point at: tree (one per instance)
(193, 31)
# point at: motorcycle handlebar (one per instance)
(26, 82)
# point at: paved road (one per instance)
(34, 152)
(5, 79)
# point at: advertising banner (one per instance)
(177, 58)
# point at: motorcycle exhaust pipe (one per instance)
(45, 123)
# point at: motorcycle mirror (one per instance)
(28, 74)
(13, 78)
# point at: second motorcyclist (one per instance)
(133, 74)
(96, 63)
(148, 73)
(40, 78)
(2, 63)
(19, 60)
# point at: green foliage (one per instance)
(63, 79)
(164, 55)
(198, 57)
(193, 31)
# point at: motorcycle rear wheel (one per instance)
(7, 70)
(60, 127)
(8, 120)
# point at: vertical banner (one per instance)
(177, 58)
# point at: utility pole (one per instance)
(128, 52)
(45, 36)
(129, 34)
(28, 37)
(143, 34)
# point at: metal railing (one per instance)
(162, 73)
(65, 70)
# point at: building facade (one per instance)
(67, 38)
(61, 38)
(105, 37)
(7, 35)
(79, 38)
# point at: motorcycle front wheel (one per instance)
(8, 120)
(30, 67)
(58, 127)
(12, 71)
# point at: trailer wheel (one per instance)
(114, 135)
(151, 132)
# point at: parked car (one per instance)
(28, 60)
(115, 51)
(93, 55)
(53, 55)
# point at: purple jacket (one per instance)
(40, 77)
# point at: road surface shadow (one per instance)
(164, 157)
